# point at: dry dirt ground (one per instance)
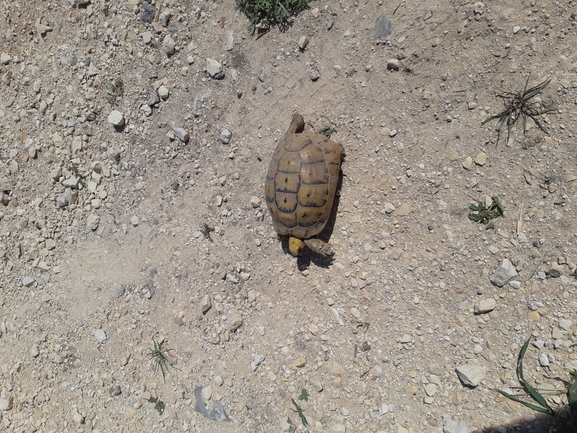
(103, 239)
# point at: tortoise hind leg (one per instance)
(297, 124)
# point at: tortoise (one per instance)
(301, 184)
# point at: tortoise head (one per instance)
(295, 246)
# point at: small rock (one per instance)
(481, 158)
(455, 427)
(5, 404)
(147, 12)
(134, 220)
(389, 208)
(471, 374)
(479, 8)
(337, 428)
(146, 109)
(115, 390)
(543, 359)
(255, 201)
(92, 222)
(5, 59)
(303, 42)
(516, 29)
(383, 28)
(205, 304)
(153, 98)
(393, 64)
(117, 292)
(430, 389)
(485, 306)
(146, 37)
(468, 163)
(163, 92)
(214, 69)
(27, 281)
(300, 362)
(258, 359)
(225, 136)
(404, 210)
(116, 118)
(181, 134)
(504, 273)
(99, 334)
(168, 45)
(314, 74)
(285, 425)
(565, 324)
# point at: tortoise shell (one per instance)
(301, 182)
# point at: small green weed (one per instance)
(483, 214)
(520, 105)
(273, 12)
(566, 425)
(159, 355)
(300, 413)
(206, 231)
(327, 132)
(115, 91)
(158, 404)
(304, 395)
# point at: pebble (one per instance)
(285, 425)
(163, 92)
(117, 292)
(471, 374)
(389, 208)
(430, 389)
(383, 28)
(468, 163)
(481, 158)
(479, 8)
(337, 428)
(218, 380)
(5, 59)
(214, 69)
(225, 136)
(99, 334)
(168, 45)
(134, 220)
(455, 427)
(255, 201)
(153, 98)
(181, 134)
(516, 29)
(257, 360)
(303, 42)
(28, 281)
(393, 65)
(504, 273)
(314, 74)
(116, 118)
(565, 324)
(5, 404)
(404, 210)
(300, 362)
(146, 37)
(92, 222)
(205, 304)
(515, 284)
(543, 359)
(485, 306)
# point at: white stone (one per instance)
(99, 334)
(504, 273)
(471, 374)
(214, 68)
(485, 306)
(116, 118)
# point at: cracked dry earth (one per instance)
(105, 231)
